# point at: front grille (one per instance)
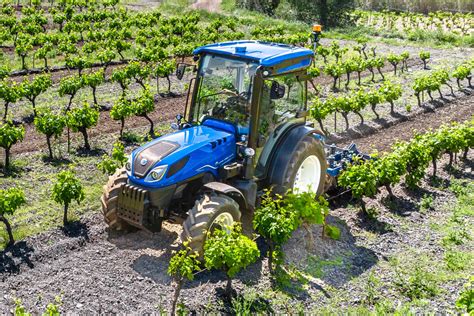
(132, 204)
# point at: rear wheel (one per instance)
(306, 170)
(211, 212)
(109, 200)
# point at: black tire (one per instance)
(283, 181)
(109, 200)
(203, 214)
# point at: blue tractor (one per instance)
(244, 129)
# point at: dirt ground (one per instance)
(94, 270)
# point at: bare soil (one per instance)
(94, 270)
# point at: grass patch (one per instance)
(316, 267)
(416, 283)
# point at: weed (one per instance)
(465, 301)
(416, 283)
(457, 260)
(250, 303)
(372, 213)
(241, 306)
(456, 236)
(460, 187)
(132, 138)
(426, 203)
(372, 289)
(316, 267)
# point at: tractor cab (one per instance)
(256, 89)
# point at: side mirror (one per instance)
(180, 71)
(174, 126)
(277, 91)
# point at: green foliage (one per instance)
(82, 118)
(309, 208)
(465, 302)
(424, 55)
(183, 263)
(144, 104)
(20, 310)
(93, 80)
(10, 200)
(389, 170)
(110, 164)
(10, 92)
(390, 92)
(426, 202)
(121, 76)
(361, 178)
(9, 136)
(70, 86)
(32, 89)
(66, 189)
(274, 221)
(50, 124)
(229, 251)
(461, 72)
(457, 260)
(416, 283)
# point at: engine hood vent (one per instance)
(149, 156)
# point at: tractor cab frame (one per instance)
(264, 79)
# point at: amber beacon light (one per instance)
(316, 33)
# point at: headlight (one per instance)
(158, 173)
(249, 152)
(128, 164)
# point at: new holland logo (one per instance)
(143, 162)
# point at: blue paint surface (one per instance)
(266, 54)
(208, 148)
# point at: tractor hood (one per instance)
(184, 154)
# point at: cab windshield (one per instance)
(225, 90)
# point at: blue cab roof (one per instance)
(265, 53)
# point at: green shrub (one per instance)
(229, 251)
(275, 223)
(10, 200)
(182, 266)
(9, 136)
(80, 119)
(50, 124)
(67, 189)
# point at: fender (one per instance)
(228, 190)
(281, 153)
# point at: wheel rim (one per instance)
(308, 175)
(222, 221)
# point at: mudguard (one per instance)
(281, 154)
(228, 190)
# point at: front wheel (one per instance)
(211, 212)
